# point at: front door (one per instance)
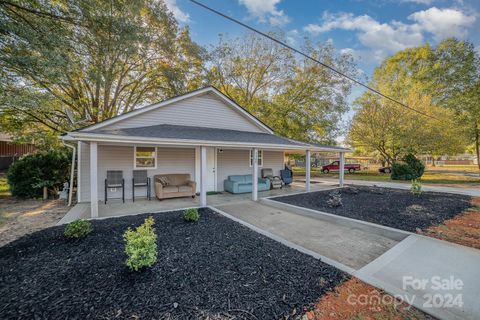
(211, 169)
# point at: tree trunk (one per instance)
(45, 193)
(433, 161)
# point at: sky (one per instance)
(369, 30)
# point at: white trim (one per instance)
(341, 169)
(93, 180)
(135, 158)
(87, 136)
(79, 173)
(203, 176)
(197, 168)
(180, 98)
(260, 152)
(307, 170)
(255, 174)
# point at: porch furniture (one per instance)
(275, 181)
(140, 180)
(286, 175)
(114, 180)
(174, 186)
(243, 184)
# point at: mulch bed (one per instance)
(214, 268)
(389, 207)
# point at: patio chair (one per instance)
(275, 181)
(286, 175)
(140, 179)
(115, 180)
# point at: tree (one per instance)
(393, 131)
(90, 59)
(296, 97)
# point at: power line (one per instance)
(311, 58)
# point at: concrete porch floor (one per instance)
(116, 208)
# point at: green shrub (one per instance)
(410, 168)
(28, 175)
(416, 187)
(191, 215)
(78, 229)
(141, 245)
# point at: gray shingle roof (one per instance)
(167, 131)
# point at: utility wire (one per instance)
(311, 58)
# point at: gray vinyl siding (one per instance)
(169, 160)
(233, 162)
(201, 111)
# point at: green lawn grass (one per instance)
(437, 176)
(4, 191)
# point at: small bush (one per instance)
(416, 187)
(78, 229)
(141, 245)
(191, 215)
(28, 175)
(410, 168)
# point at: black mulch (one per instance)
(389, 207)
(215, 269)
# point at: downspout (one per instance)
(72, 172)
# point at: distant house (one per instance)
(202, 134)
(9, 151)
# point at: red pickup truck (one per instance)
(335, 165)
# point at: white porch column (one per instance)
(93, 180)
(203, 176)
(341, 169)
(255, 174)
(307, 171)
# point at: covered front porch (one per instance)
(116, 208)
(210, 160)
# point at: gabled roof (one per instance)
(201, 91)
(168, 131)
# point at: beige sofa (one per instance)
(174, 186)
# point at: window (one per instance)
(145, 158)
(260, 158)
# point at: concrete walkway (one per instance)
(413, 269)
(349, 246)
(474, 192)
(438, 277)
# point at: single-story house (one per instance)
(202, 133)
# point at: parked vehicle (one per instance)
(385, 169)
(335, 165)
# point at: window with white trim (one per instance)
(145, 157)
(260, 158)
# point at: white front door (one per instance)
(211, 182)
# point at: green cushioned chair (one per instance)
(243, 184)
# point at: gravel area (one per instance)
(214, 268)
(386, 206)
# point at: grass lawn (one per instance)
(433, 175)
(4, 191)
